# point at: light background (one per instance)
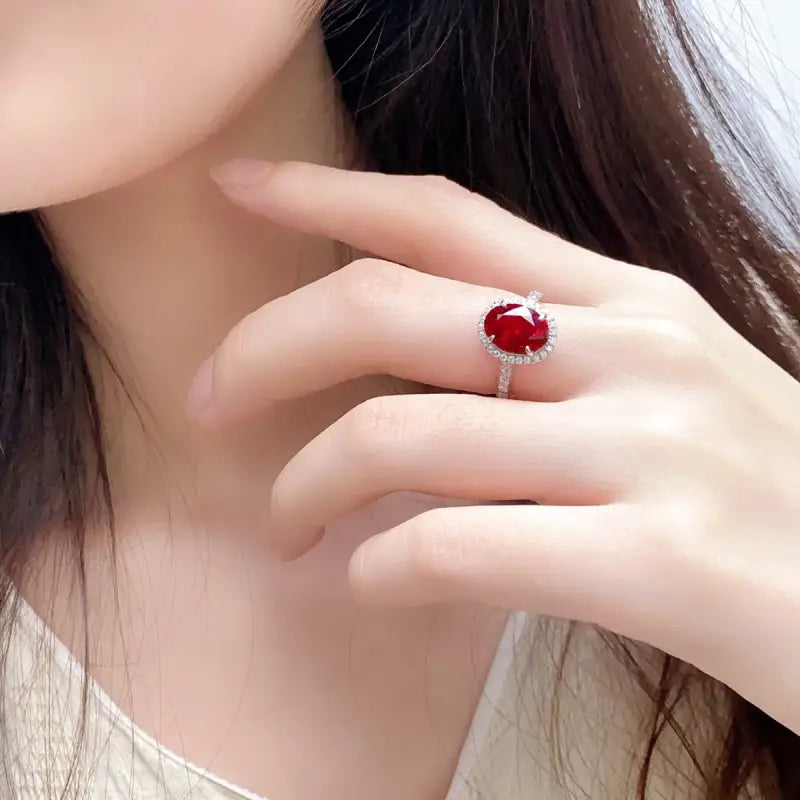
(761, 39)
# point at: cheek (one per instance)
(94, 93)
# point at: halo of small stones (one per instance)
(513, 358)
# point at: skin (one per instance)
(149, 91)
(663, 448)
(115, 152)
(393, 652)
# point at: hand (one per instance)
(664, 450)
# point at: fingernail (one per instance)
(242, 173)
(298, 545)
(375, 578)
(201, 391)
(375, 564)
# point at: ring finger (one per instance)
(376, 317)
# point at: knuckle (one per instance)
(368, 283)
(678, 424)
(666, 421)
(667, 288)
(671, 340)
(665, 292)
(437, 185)
(459, 413)
(684, 532)
(679, 550)
(373, 430)
(437, 193)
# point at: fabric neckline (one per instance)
(470, 748)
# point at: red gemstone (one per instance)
(516, 327)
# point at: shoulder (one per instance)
(63, 737)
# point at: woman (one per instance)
(295, 576)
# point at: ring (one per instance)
(516, 331)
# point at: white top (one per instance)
(125, 761)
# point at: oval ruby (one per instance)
(513, 327)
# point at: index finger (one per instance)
(424, 222)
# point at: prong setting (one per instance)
(530, 357)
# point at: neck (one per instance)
(166, 267)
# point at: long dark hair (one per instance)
(600, 121)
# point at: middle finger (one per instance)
(458, 446)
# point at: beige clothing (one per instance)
(506, 756)
(124, 761)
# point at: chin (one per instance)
(98, 95)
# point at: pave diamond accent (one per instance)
(504, 381)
